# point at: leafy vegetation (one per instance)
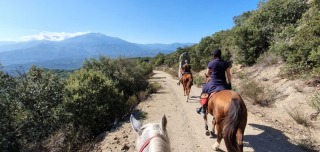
(286, 30)
(62, 110)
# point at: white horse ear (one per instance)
(135, 124)
(163, 122)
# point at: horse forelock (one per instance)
(149, 131)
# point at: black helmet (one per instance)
(216, 52)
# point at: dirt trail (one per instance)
(186, 127)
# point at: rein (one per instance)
(146, 143)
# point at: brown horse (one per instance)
(186, 83)
(229, 117)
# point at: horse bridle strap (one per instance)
(146, 143)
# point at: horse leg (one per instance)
(219, 137)
(206, 124)
(188, 92)
(213, 126)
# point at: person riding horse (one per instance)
(217, 70)
(185, 69)
(183, 59)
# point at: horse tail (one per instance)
(231, 124)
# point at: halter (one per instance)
(146, 143)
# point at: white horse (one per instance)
(152, 137)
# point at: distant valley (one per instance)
(70, 53)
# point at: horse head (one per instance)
(151, 136)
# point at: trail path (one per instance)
(186, 127)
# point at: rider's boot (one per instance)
(199, 110)
(203, 111)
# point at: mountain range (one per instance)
(70, 53)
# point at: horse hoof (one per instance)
(215, 147)
(207, 133)
(212, 133)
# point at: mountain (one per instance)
(70, 53)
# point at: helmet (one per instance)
(216, 52)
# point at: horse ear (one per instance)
(163, 122)
(135, 124)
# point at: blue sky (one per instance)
(138, 21)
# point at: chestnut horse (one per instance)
(186, 83)
(229, 118)
(186, 80)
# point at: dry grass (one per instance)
(314, 102)
(241, 75)
(299, 88)
(142, 95)
(268, 59)
(154, 87)
(297, 115)
(307, 142)
(257, 93)
(198, 80)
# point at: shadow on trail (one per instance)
(194, 99)
(161, 92)
(270, 139)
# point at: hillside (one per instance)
(268, 128)
(70, 53)
(286, 96)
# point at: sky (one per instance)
(137, 21)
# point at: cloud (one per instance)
(51, 36)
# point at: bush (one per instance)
(298, 116)
(314, 102)
(154, 87)
(268, 59)
(199, 80)
(129, 75)
(93, 101)
(257, 93)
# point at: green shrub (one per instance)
(133, 101)
(198, 80)
(93, 100)
(154, 87)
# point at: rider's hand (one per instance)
(229, 86)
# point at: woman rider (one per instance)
(218, 70)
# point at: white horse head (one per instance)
(152, 137)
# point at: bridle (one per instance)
(146, 143)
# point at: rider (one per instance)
(218, 70)
(186, 68)
(183, 59)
